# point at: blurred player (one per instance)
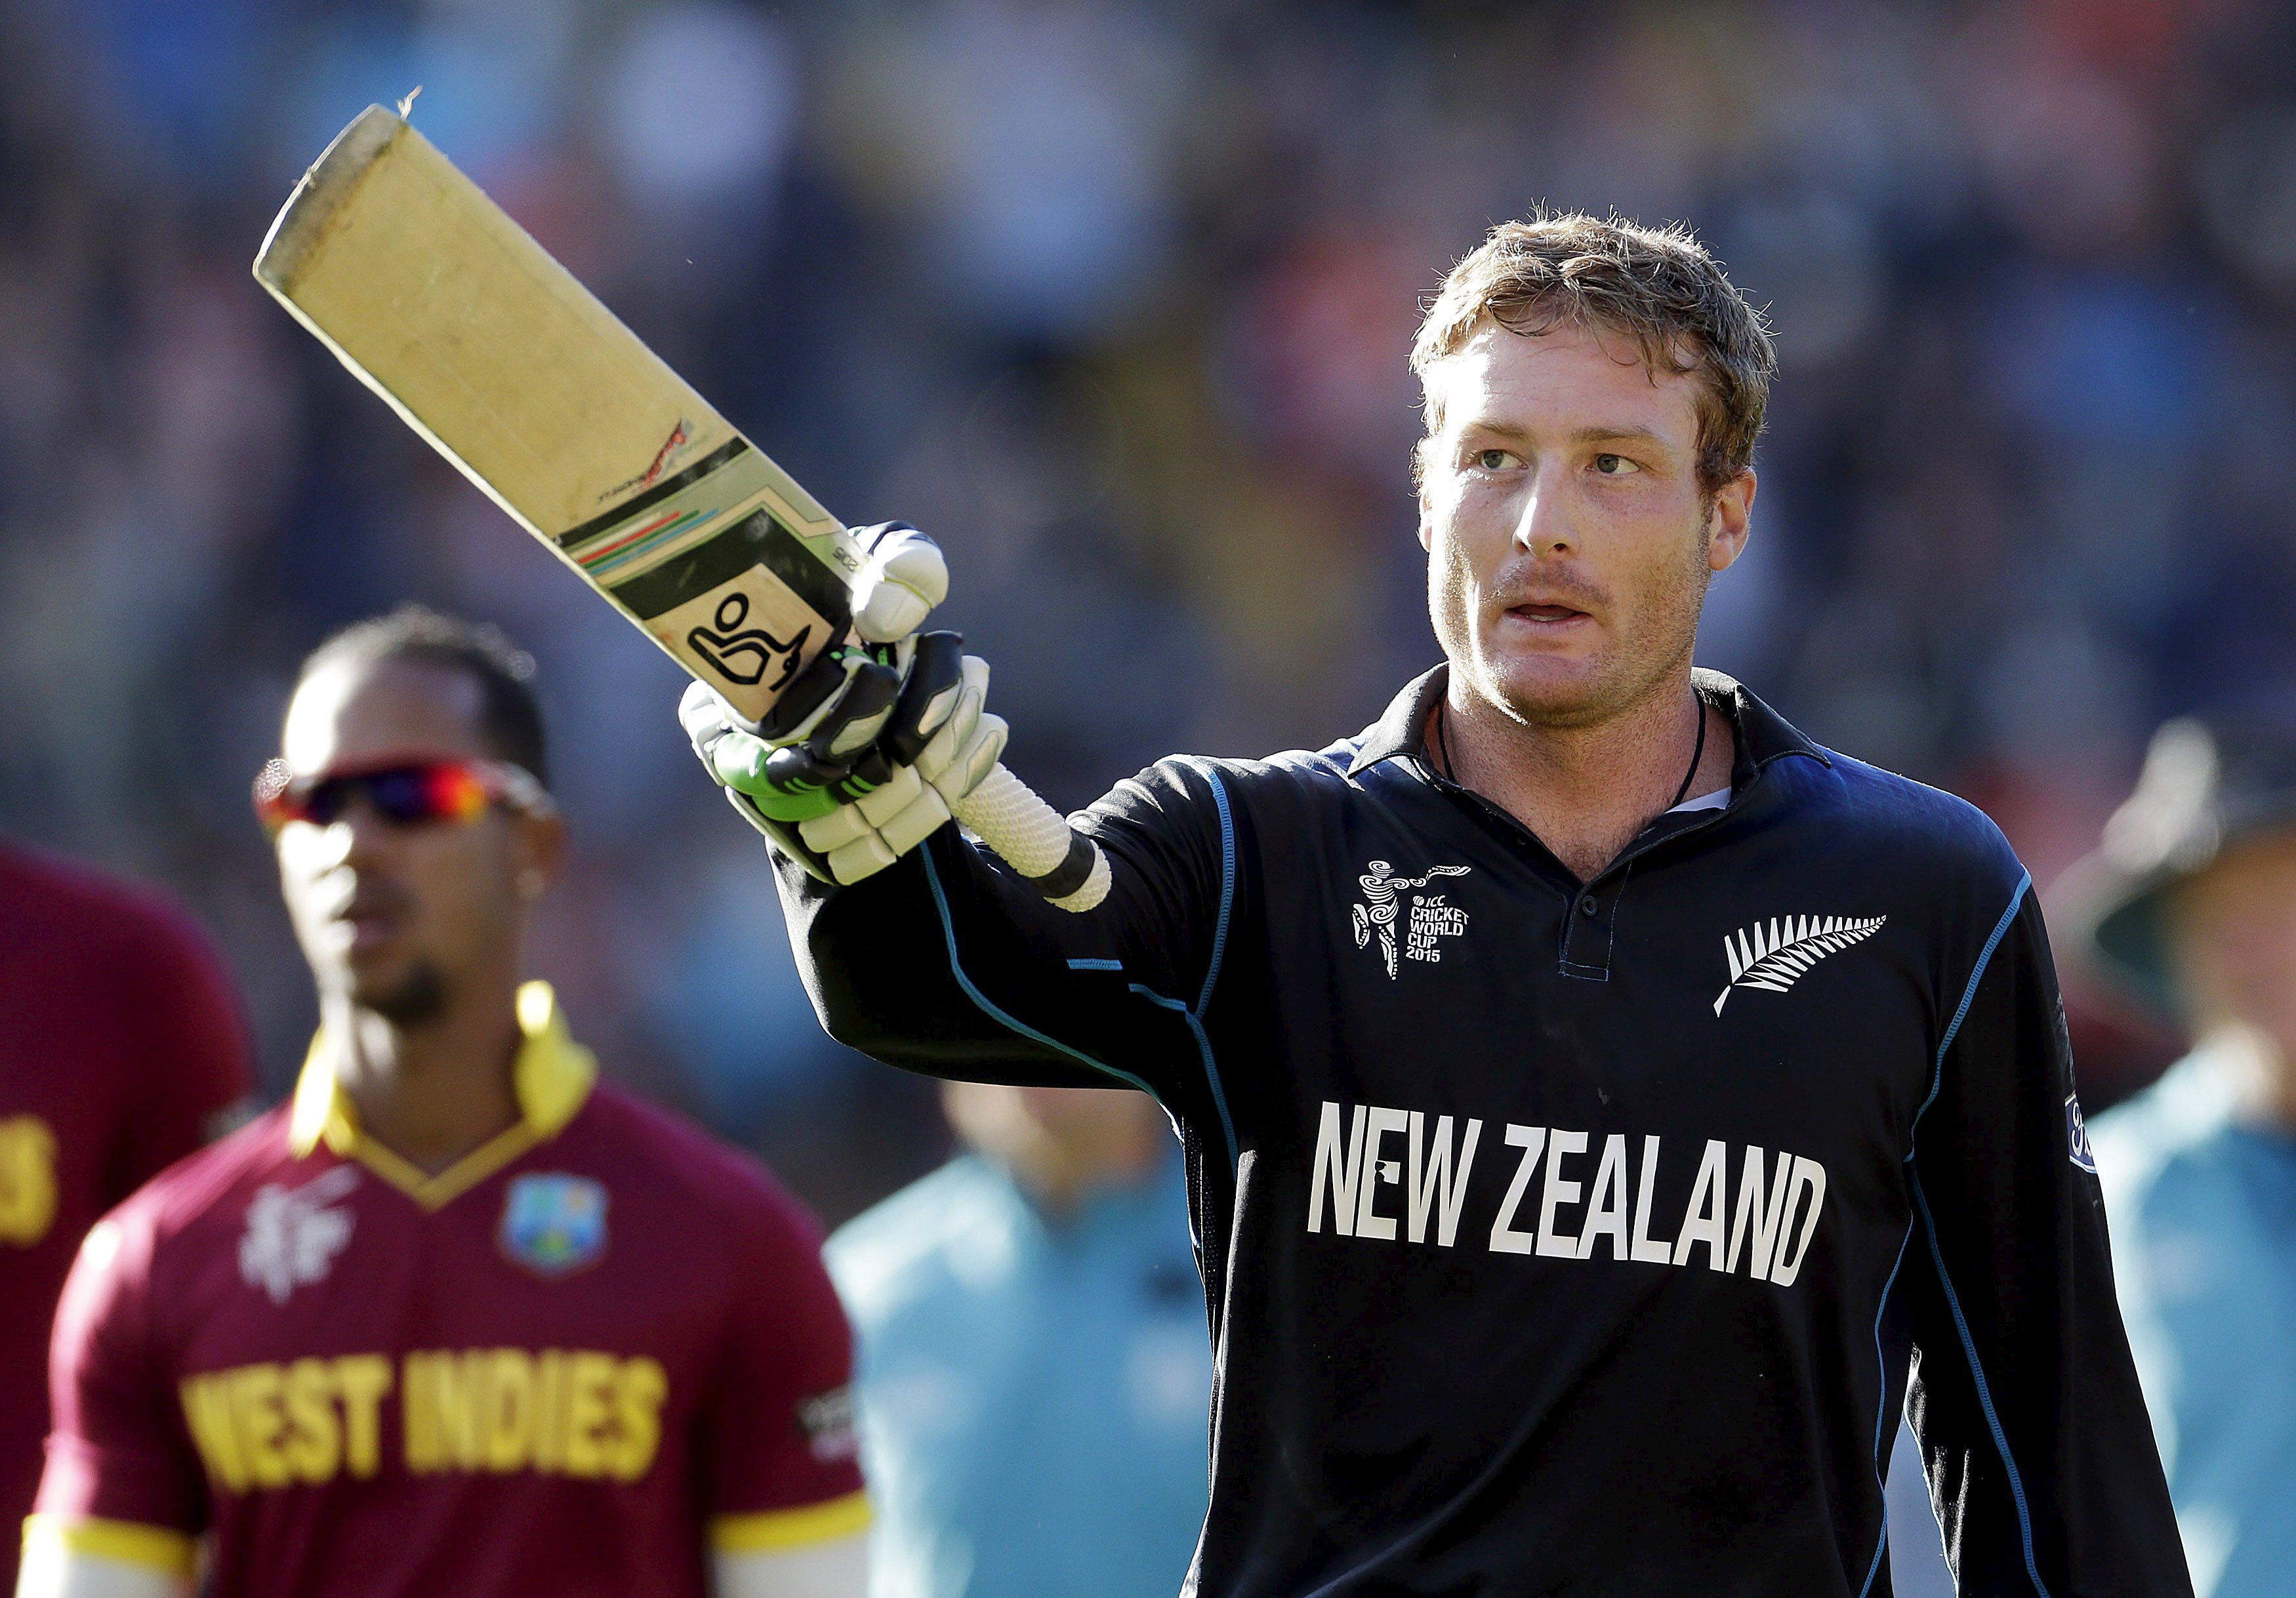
(121, 1046)
(460, 1318)
(1599, 1099)
(1034, 1369)
(2195, 911)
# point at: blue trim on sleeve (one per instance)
(1984, 1394)
(1219, 950)
(1937, 1081)
(1880, 1548)
(1095, 965)
(1227, 892)
(1969, 997)
(1937, 1249)
(1881, 1410)
(1194, 1014)
(981, 1002)
(1211, 1069)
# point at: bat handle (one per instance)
(1035, 840)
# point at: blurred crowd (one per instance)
(1113, 298)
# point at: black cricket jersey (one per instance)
(1575, 1238)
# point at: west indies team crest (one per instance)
(553, 1223)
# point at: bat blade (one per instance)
(513, 370)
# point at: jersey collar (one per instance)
(552, 1078)
(1763, 734)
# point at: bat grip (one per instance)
(1035, 840)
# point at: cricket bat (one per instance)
(514, 371)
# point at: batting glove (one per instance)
(825, 723)
(846, 809)
(840, 702)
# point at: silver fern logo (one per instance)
(1773, 957)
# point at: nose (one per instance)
(355, 838)
(1543, 527)
(366, 830)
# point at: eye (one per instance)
(1496, 460)
(1610, 465)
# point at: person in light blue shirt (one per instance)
(2193, 906)
(1034, 1373)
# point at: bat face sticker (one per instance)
(743, 655)
(748, 637)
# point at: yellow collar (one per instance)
(552, 1078)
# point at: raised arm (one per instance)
(948, 964)
(920, 946)
(2039, 1452)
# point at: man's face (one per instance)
(2234, 930)
(1569, 543)
(395, 916)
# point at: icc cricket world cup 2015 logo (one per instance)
(1432, 915)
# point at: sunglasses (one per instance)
(406, 792)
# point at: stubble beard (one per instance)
(417, 997)
(1640, 663)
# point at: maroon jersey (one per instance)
(570, 1363)
(120, 1040)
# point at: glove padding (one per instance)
(839, 702)
(820, 731)
(900, 585)
(870, 773)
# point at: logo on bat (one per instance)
(741, 654)
(678, 439)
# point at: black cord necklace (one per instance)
(1697, 751)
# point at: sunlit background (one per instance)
(1113, 298)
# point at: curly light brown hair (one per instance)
(1658, 286)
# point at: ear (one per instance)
(539, 846)
(1728, 524)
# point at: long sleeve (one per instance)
(2024, 1398)
(950, 965)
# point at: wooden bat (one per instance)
(514, 371)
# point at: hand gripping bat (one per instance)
(514, 371)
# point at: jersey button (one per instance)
(1587, 905)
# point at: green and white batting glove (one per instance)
(828, 709)
(862, 757)
(851, 815)
(900, 585)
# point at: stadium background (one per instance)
(1113, 298)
